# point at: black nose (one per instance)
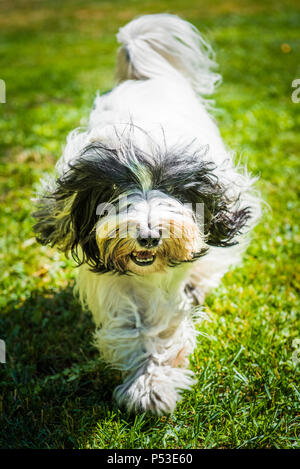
(148, 243)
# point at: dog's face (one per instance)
(145, 232)
(121, 210)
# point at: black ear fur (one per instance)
(223, 219)
(66, 216)
(53, 224)
(193, 179)
(67, 219)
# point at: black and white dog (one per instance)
(152, 208)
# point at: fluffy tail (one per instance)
(164, 45)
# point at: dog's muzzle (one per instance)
(146, 256)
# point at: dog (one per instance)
(152, 207)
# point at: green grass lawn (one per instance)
(54, 391)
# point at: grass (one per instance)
(54, 391)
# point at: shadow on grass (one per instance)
(54, 389)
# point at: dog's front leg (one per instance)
(149, 361)
(153, 387)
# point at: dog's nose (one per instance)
(148, 243)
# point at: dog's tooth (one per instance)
(149, 259)
(143, 260)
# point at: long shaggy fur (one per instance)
(124, 204)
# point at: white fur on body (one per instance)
(144, 323)
(145, 330)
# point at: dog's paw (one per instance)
(154, 389)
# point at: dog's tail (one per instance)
(164, 45)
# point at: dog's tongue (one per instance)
(144, 254)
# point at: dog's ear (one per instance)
(224, 215)
(197, 183)
(224, 219)
(67, 214)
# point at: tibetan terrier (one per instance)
(153, 209)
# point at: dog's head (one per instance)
(120, 209)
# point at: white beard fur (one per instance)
(146, 324)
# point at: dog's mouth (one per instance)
(143, 258)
